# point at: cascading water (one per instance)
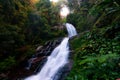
(71, 30)
(57, 59)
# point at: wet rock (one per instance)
(34, 64)
(39, 48)
(2, 76)
(40, 65)
(63, 72)
(42, 52)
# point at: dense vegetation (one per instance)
(24, 25)
(97, 50)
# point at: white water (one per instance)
(71, 30)
(57, 59)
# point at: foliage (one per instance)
(24, 24)
(79, 20)
(96, 55)
(14, 15)
(79, 15)
(96, 52)
(7, 63)
(107, 12)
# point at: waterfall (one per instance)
(57, 59)
(71, 30)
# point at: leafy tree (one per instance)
(79, 15)
(108, 10)
(14, 15)
(96, 52)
